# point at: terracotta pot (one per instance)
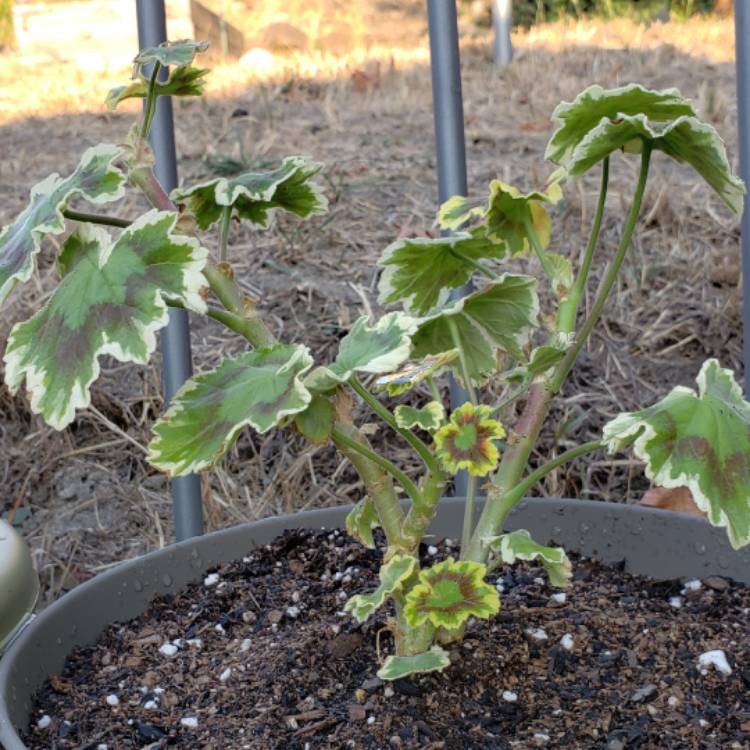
(661, 544)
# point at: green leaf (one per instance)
(396, 667)
(360, 522)
(95, 178)
(185, 81)
(316, 422)
(208, 413)
(542, 359)
(429, 417)
(518, 545)
(111, 300)
(449, 593)
(253, 196)
(601, 121)
(579, 117)
(493, 320)
(366, 348)
(700, 441)
(392, 576)
(421, 272)
(179, 53)
(412, 374)
(505, 215)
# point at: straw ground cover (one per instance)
(92, 498)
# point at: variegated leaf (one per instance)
(253, 196)
(207, 414)
(396, 383)
(396, 667)
(361, 521)
(185, 81)
(518, 545)
(449, 593)
(428, 418)
(178, 53)
(421, 272)
(505, 215)
(493, 320)
(95, 178)
(577, 118)
(375, 349)
(700, 441)
(601, 121)
(393, 574)
(111, 300)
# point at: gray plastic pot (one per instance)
(656, 543)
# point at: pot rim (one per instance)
(650, 541)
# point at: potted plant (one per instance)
(114, 293)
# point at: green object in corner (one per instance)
(19, 585)
(7, 33)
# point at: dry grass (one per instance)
(93, 499)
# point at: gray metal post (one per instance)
(742, 38)
(502, 23)
(448, 110)
(175, 338)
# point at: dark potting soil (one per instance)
(260, 655)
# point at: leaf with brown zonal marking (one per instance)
(449, 593)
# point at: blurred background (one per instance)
(348, 84)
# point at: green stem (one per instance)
(569, 307)
(107, 221)
(474, 264)
(511, 468)
(434, 389)
(511, 399)
(536, 246)
(229, 294)
(226, 217)
(520, 490)
(341, 439)
(467, 384)
(471, 489)
(605, 287)
(421, 514)
(150, 108)
(379, 486)
(424, 452)
(236, 323)
(144, 178)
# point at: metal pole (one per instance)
(502, 22)
(175, 338)
(448, 109)
(742, 38)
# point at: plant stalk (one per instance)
(539, 251)
(343, 440)
(226, 217)
(379, 487)
(467, 384)
(88, 218)
(423, 450)
(605, 287)
(566, 319)
(471, 490)
(520, 490)
(541, 393)
(150, 109)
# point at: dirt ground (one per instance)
(367, 115)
